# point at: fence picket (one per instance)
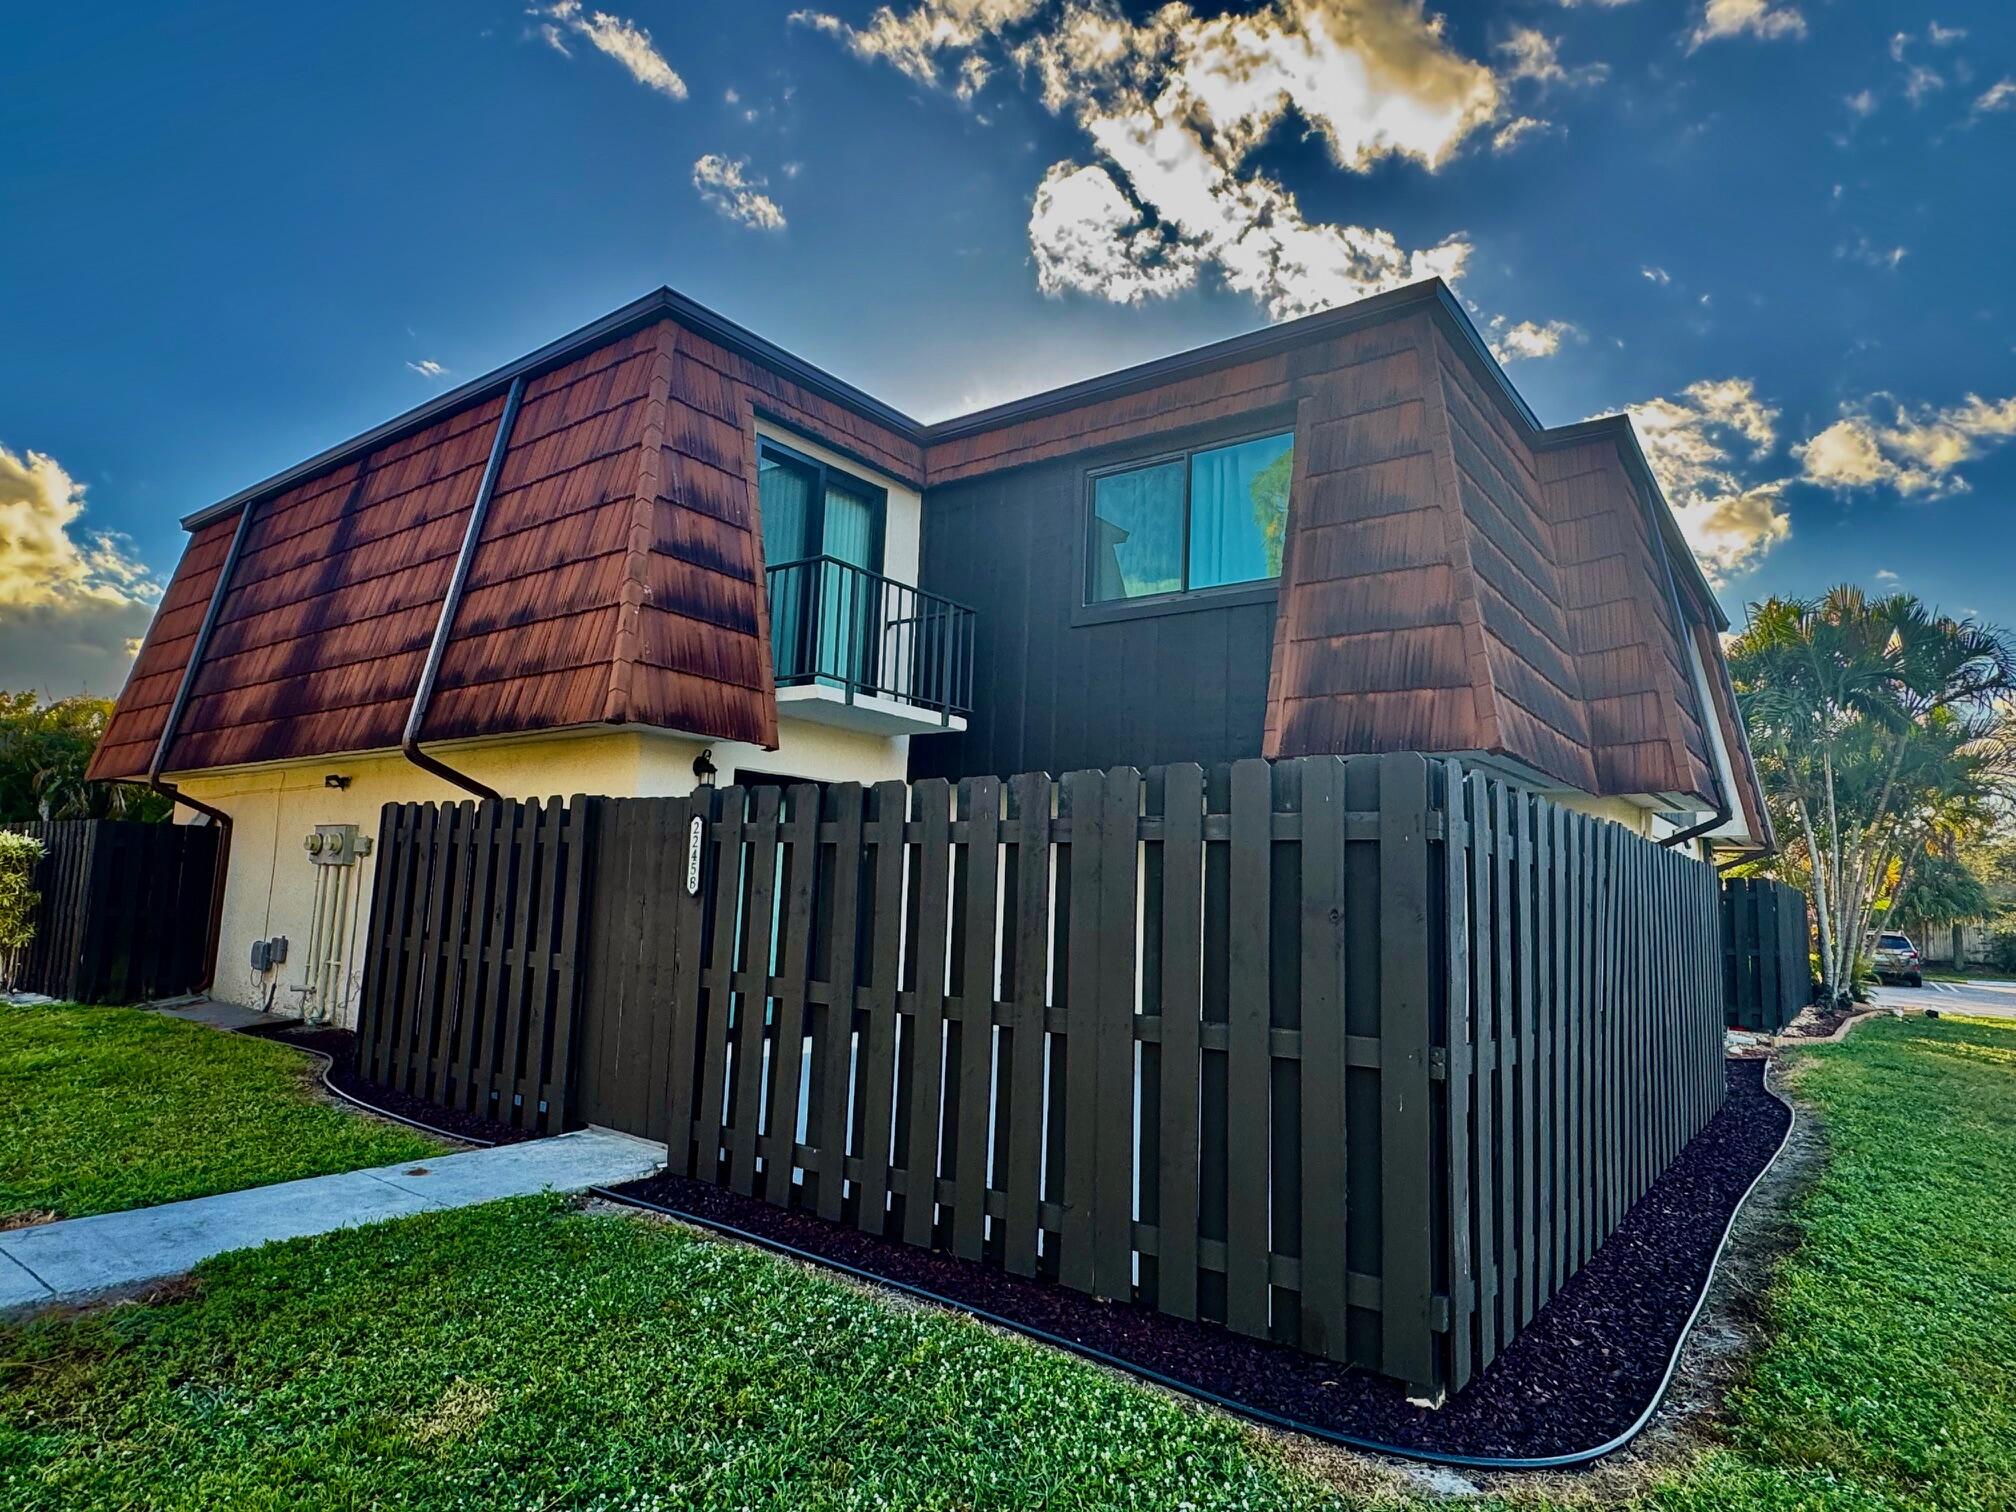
(1022, 1057)
(835, 1063)
(1180, 1061)
(890, 807)
(972, 1071)
(1325, 1131)
(924, 1056)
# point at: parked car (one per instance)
(1896, 959)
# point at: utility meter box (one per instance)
(336, 845)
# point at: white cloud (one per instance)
(1533, 56)
(1920, 81)
(1656, 275)
(625, 41)
(1916, 451)
(1090, 238)
(73, 605)
(1863, 102)
(1527, 338)
(427, 367)
(1756, 18)
(1175, 105)
(1700, 444)
(912, 41)
(725, 184)
(1870, 254)
(2000, 95)
(1885, 575)
(1944, 36)
(1516, 130)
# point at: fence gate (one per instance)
(1767, 972)
(472, 972)
(124, 910)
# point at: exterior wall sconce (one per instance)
(334, 780)
(704, 768)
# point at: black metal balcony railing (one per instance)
(837, 624)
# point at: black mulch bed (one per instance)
(340, 1045)
(1579, 1375)
(1818, 1023)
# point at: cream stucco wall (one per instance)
(1634, 817)
(270, 883)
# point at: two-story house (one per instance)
(662, 549)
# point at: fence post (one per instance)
(1407, 1179)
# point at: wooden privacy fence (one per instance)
(1767, 968)
(125, 909)
(1364, 1055)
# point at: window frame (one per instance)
(1087, 610)
(816, 514)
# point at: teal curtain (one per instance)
(845, 600)
(1239, 511)
(785, 495)
(1137, 533)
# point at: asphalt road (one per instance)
(1987, 999)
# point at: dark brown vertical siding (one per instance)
(1054, 696)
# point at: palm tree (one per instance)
(1869, 717)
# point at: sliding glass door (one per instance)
(822, 538)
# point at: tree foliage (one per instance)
(1884, 735)
(44, 749)
(18, 855)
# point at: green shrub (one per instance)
(2002, 951)
(18, 855)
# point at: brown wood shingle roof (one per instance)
(619, 577)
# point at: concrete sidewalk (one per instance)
(81, 1259)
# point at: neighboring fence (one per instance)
(1363, 1055)
(125, 909)
(1767, 970)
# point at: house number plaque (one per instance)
(695, 833)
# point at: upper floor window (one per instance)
(1208, 518)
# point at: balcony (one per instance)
(858, 650)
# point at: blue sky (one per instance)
(1778, 230)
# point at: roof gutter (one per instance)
(423, 695)
(159, 761)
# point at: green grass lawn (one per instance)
(529, 1354)
(110, 1108)
(1891, 1381)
